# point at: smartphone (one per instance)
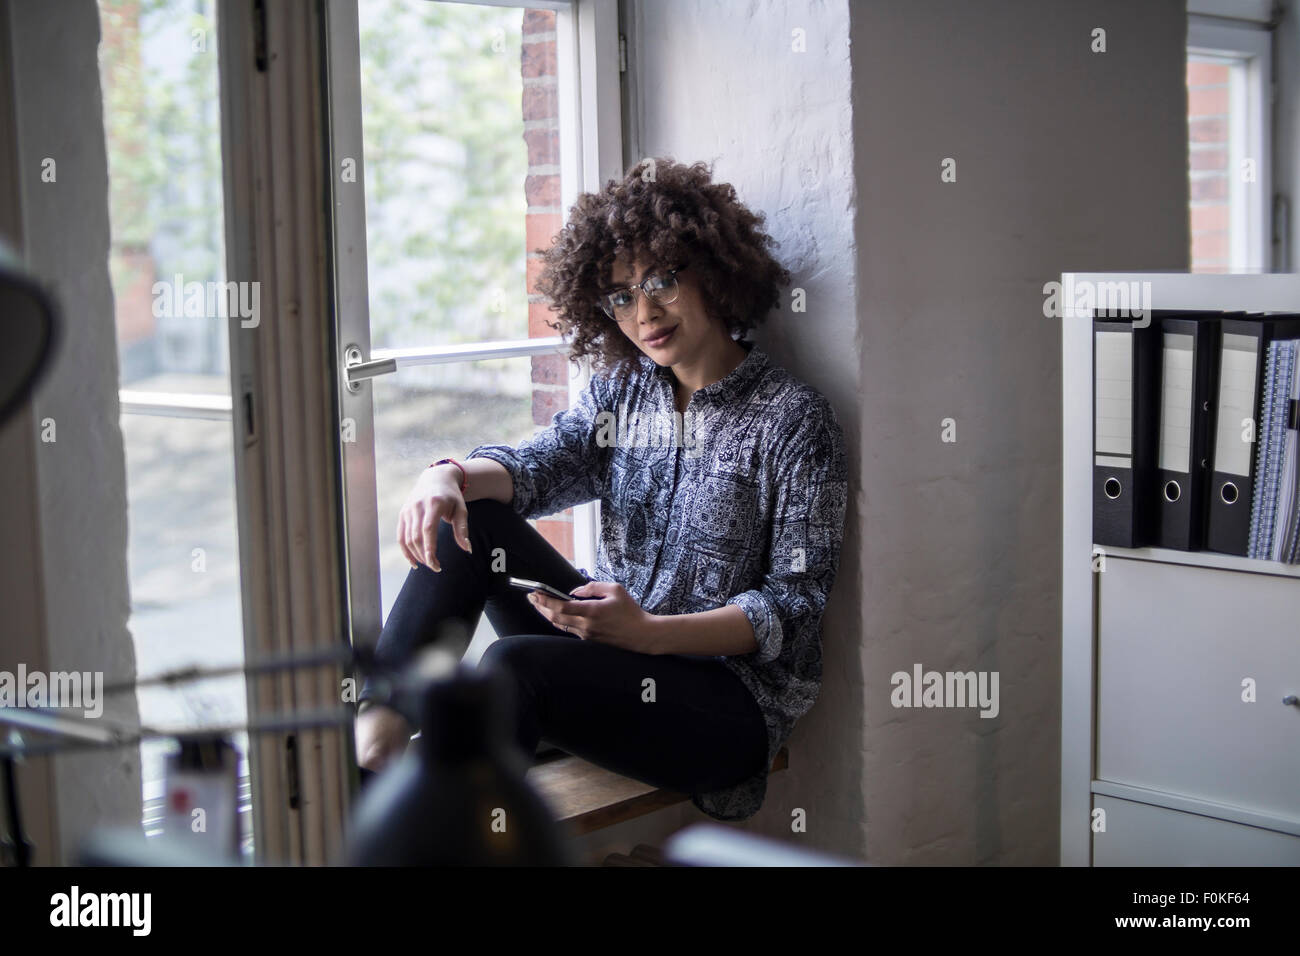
(524, 584)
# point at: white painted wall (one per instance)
(1067, 160)
(925, 303)
(81, 476)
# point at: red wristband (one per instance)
(464, 475)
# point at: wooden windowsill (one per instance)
(589, 798)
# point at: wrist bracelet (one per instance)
(464, 475)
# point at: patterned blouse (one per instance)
(740, 501)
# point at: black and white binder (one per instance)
(1189, 352)
(1242, 354)
(1126, 375)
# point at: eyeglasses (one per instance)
(620, 304)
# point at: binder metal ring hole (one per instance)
(1112, 487)
(1228, 493)
(1172, 491)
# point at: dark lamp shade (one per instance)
(459, 795)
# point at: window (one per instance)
(158, 72)
(1229, 154)
(475, 130)
(462, 145)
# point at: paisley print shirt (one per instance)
(740, 500)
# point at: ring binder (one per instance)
(1188, 380)
(1125, 375)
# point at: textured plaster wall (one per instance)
(82, 474)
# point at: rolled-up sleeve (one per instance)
(564, 464)
(807, 531)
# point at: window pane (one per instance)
(1214, 159)
(461, 139)
(460, 121)
(423, 414)
(158, 66)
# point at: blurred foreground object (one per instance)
(459, 795)
(202, 794)
(708, 844)
(128, 846)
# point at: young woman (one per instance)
(689, 656)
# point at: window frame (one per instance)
(296, 480)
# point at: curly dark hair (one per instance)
(666, 213)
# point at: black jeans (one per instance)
(701, 731)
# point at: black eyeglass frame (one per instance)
(607, 307)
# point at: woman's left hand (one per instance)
(610, 615)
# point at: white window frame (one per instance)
(1249, 133)
(591, 104)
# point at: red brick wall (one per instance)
(1207, 128)
(133, 300)
(544, 219)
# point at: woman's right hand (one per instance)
(435, 498)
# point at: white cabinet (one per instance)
(1164, 758)
(1181, 650)
(1145, 834)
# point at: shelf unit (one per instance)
(1154, 649)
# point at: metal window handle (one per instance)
(357, 369)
